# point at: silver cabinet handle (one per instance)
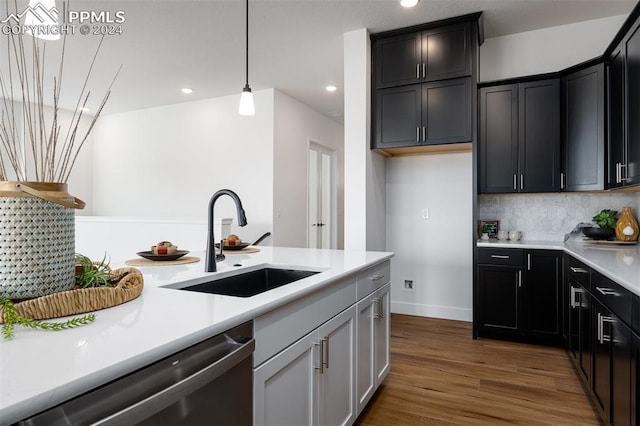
(562, 177)
(528, 261)
(521, 182)
(607, 291)
(377, 277)
(626, 172)
(417, 134)
(519, 279)
(424, 70)
(320, 366)
(325, 352)
(608, 320)
(418, 71)
(376, 308)
(618, 173)
(599, 328)
(500, 256)
(572, 298)
(424, 133)
(515, 184)
(578, 270)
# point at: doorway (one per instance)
(321, 197)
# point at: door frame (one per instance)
(322, 148)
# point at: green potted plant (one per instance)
(485, 232)
(606, 221)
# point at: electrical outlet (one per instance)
(425, 213)
(408, 285)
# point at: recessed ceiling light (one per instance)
(331, 88)
(408, 3)
(85, 109)
(186, 91)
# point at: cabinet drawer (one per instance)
(578, 271)
(612, 295)
(500, 256)
(373, 278)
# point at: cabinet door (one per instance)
(398, 60)
(539, 136)
(632, 44)
(446, 111)
(584, 111)
(382, 324)
(398, 116)
(446, 52)
(285, 387)
(498, 138)
(543, 278)
(366, 380)
(585, 335)
(337, 376)
(498, 298)
(621, 374)
(601, 380)
(615, 118)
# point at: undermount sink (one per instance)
(251, 283)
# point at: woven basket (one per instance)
(37, 239)
(129, 284)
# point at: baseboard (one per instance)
(432, 311)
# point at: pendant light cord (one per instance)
(247, 45)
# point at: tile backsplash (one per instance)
(550, 216)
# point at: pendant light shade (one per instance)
(246, 99)
(42, 16)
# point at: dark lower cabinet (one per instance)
(518, 295)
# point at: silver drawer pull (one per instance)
(377, 277)
(500, 256)
(607, 291)
(579, 270)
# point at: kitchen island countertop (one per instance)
(40, 369)
(621, 263)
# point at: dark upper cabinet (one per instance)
(434, 54)
(632, 92)
(398, 60)
(423, 114)
(623, 110)
(583, 112)
(616, 143)
(520, 137)
(398, 116)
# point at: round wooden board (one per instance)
(146, 262)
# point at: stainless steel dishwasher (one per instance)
(209, 383)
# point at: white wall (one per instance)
(546, 50)
(435, 253)
(294, 125)
(168, 161)
(365, 214)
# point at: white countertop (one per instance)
(39, 369)
(620, 263)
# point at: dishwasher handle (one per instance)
(145, 408)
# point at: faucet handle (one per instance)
(220, 256)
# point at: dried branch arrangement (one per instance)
(29, 119)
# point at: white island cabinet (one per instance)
(307, 358)
(326, 376)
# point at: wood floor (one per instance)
(441, 376)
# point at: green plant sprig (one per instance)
(93, 275)
(11, 319)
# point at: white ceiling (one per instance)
(295, 45)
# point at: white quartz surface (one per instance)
(620, 263)
(39, 369)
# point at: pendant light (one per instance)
(246, 99)
(42, 15)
